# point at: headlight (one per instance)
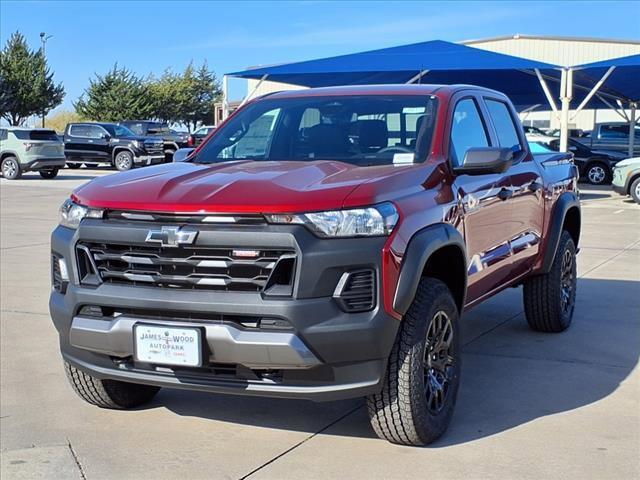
(358, 222)
(71, 214)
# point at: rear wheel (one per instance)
(598, 173)
(549, 299)
(11, 168)
(123, 160)
(49, 173)
(421, 384)
(108, 393)
(634, 191)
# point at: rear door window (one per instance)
(467, 131)
(503, 123)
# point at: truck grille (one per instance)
(225, 269)
(154, 147)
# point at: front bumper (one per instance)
(42, 163)
(148, 159)
(323, 354)
(619, 189)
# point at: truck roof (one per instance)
(398, 89)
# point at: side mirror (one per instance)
(105, 136)
(483, 160)
(182, 154)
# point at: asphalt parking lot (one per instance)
(530, 406)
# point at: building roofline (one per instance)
(519, 36)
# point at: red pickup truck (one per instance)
(320, 244)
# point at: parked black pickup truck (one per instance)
(172, 140)
(109, 143)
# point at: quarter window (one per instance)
(467, 131)
(505, 128)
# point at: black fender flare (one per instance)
(565, 202)
(421, 246)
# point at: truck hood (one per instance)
(247, 187)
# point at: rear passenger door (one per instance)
(523, 180)
(87, 143)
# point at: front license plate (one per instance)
(168, 345)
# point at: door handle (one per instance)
(505, 194)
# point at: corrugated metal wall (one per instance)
(558, 52)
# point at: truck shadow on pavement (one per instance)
(511, 376)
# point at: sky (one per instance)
(147, 37)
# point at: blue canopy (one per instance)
(443, 62)
(624, 81)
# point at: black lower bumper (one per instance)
(324, 353)
(619, 189)
(44, 163)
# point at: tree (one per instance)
(203, 89)
(118, 95)
(26, 82)
(59, 121)
(187, 98)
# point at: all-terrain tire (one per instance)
(549, 299)
(402, 412)
(108, 393)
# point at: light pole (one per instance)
(43, 39)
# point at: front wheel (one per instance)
(421, 384)
(49, 173)
(123, 161)
(11, 168)
(108, 393)
(634, 191)
(549, 299)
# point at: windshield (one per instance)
(119, 131)
(361, 130)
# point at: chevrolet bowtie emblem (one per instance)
(171, 236)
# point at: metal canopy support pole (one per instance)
(417, 77)
(547, 92)
(225, 97)
(254, 90)
(566, 91)
(593, 91)
(632, 128)
(613, 107)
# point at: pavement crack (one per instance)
(25, 246)
(342, 417)
(76, 459)
(25, 312)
